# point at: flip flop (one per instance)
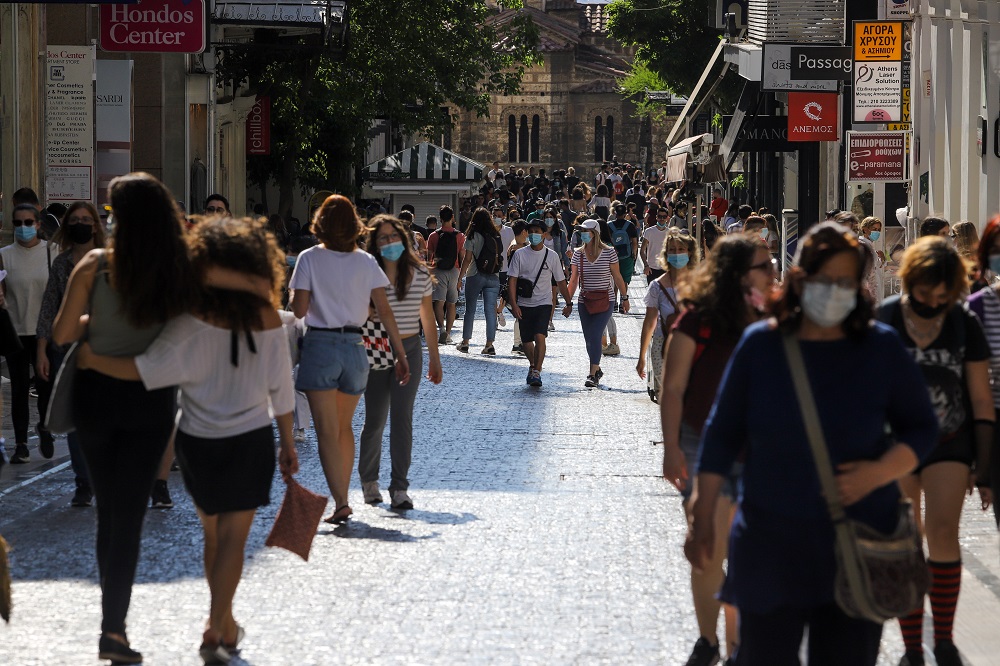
(339, 516)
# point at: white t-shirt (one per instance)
(524, 265)
(339, 285)
(27, 275)
(506, 238)
(655, 238)
(219, 399)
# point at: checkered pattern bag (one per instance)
(376, 340)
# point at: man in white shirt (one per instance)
(492, 175)
(537, 266)
(653, 239)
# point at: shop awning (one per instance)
(425, 162)
(687, 146)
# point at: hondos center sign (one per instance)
(154, 26)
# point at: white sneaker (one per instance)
(501, 319)
(371, 492)
(552, 326)
(401, 501)
(300, 435)
(611, 350)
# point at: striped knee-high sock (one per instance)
(946, 581)
(912, 628)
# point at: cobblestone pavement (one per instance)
(542, 535)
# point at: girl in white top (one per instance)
(332, 287)
(231, 360)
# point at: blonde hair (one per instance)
(868, 223)
(931, 261)
(966, 239)
(686, 239)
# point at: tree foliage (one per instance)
(639, 81)
(404, 61)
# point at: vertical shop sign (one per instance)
(259, 127)
(114, 122)
(878, 72)
(69, 123)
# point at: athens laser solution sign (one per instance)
(878, 72)
(154, 26)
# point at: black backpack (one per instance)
(446, 252)
(488, 261)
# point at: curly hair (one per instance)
(407, 263)
(336, 224)
(715, 287)
(931, 261)
(684, 237)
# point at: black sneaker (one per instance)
(46, 443)
(21, 455)
(83, 496)
(161, 496)
(947, 654)
(590, 382)
(704, 654)
(517, 349)
(912, 659)
(117, 652)
(599, 375)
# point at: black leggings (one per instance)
(774, 639)
(123, 432)
(20, 366)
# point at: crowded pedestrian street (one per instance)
(542, 533)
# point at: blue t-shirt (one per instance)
(782, 539)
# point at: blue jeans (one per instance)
(489, 287)
(593, 329)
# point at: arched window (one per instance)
(512, 139)
(534, 139)
(523, 140)
(609, 139)
(598, 139)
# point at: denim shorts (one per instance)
(332, 361)
(689, 446)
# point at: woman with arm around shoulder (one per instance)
(595, 269)
(130, 291)
(948, 343)
(332, 286)
(781, 518)
(410, 299)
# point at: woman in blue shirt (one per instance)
(781, 562)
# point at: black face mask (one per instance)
(925, 311)
(80, 233)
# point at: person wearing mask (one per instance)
(506, 238)
(419, 241)
(726, 293)
(481, 269)
(520, 239)
(81, 231)
(948, 344)
(27, 261)
(537, 266)
(625, 240)
(446, 252)
(782, 519)
(680, 255)
(409, 294)
(651, 247)
(870, 231)
(595, 272)
(332, 286)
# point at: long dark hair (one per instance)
(482, 223)
(821, 244)
(715, 287)
(149, 266)
(407, 263)
(61, 236)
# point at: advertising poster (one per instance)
(69, 123)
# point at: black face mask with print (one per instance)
(925, 311)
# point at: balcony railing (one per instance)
(802, 21)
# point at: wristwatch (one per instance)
(624, 297)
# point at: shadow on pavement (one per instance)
(358, 530)
(433, 517)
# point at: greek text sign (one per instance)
(813, 117)
(877, 156)
(69, 123)
(154, 26)
(777, 72)
(878, 41)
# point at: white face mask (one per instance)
(828, 304)
(764, 234)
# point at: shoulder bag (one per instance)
(377, 345)
(667, 323)
(525, 290)
(879, 576)
(595, 300)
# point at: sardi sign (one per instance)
(154, 26)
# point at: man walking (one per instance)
(446, 248)
(625, 239)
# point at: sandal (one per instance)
(340, 516)
(234, 647)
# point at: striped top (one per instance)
(597, 275)
(991, 324)
(407, 311)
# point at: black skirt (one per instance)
(228, 474)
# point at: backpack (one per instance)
(488, 261)
(620, 239)
(446, 252)
(619, 187)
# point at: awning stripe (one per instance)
(425, 161)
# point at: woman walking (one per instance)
(949, 345)
(130, 291)
(27, 261)
(595, 271)
(782, 519)
(481, 268)
(725, 294)
(81, 232)
(231, 360)
(409, 296)
(332, 287)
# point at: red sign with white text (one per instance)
(259, 127)
(154, 26)
(813, 116)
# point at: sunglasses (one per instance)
(27, 223)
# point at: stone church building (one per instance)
(568, 112)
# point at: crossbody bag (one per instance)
(525, 290)
(595, 300)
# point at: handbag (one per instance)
(377, 346)
(879, 576)
(59, 416)
(297, 520)
(595, 300)
(525, 290)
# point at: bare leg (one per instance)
(539, 356)
(229, 532)
(332, 413)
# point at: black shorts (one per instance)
(958, 448)
(535, 321)
(228, 474)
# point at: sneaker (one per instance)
(21, 455)
(590, 382)
(535, 378)
(161, 495)
(400, 500)
(442, 338)
(46, 443)
(300, 435)
(611, 350)
(947, 654)
(598, 375)
(83, 496)
(371, 492)
(501, 320)
(214, 654)
(517, 350)
(912, 659)
(552, 326)
(463, 347)
(117, 652)
(488, 350)
(447, 339)
(704, 654)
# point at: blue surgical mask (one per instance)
(678, 260)
(25, 232)
(497, 222)
(995, 264)
(585, 236)
(535, 239)
(660, 224)
(391, 251)
(549, 222)
(290, 260)
(828, 305)
(874, 236)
